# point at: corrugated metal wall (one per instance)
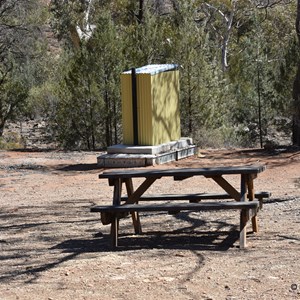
(158, 108)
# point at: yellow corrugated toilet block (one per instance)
(157, 105)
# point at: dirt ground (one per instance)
(52, 247)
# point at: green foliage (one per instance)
(261, 73)
(80, 91)
(65, 16)
(203, 96)
(11, 141)
(89, 109)
(237, 105)
(20, 45)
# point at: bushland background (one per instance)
(60, 65)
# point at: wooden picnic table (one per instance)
(242, 199)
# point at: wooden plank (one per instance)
(184, 172)
(135, 196)
(192, 197)
(251, 198)
(243, 188)
(261, 195)
(117, 191)
(114, 231)
(177, 206)
(134, 215)
(114, 228)
(107, 218)
(244, 216)
(227, 187)
(243, 228)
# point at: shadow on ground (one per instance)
(35, 239)
(79, 168)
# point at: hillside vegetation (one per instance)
(238, 61)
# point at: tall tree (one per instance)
(201, 80)
(89, 101)
(19, 43)
(296, 89)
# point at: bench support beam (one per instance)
(227, 187)
(134, 215)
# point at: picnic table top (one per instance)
(183, 172)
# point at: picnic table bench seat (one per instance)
(111, 213)
(114, 209)
(194, 198)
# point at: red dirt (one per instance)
(52, 247)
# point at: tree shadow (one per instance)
(168, 240)
(39, 238)
(277, 200)
(291, 238)
(35, 149)
(276, 157)
(42, 169)
(29, 235)
(79, 168)
(187, 236)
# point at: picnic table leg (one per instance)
(134, 215)
(251, 198)
(114, 228)
(243, 228)
(243, 215)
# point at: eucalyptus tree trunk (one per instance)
(140, 15)
(296, 89)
